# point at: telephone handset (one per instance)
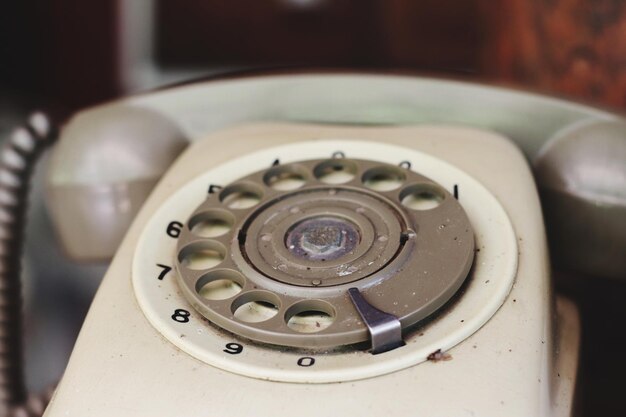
(329, 244)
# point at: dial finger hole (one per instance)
(383, 178)
(241, 196)
(220, 285)
(335, 171)
(285, 178)
(213, 223)
(255, 306)
(202, 255)
(422, 197)
(310, 316)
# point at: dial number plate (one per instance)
(168, 311)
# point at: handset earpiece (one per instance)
(581, 175)
(102, 171)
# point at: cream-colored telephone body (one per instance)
(474, 329)
(504, 349)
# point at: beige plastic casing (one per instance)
(484, 290)
(522, 362)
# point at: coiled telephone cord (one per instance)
(18, 157)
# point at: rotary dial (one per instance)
(325, 253)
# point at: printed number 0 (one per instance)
(306, 361)
(181, 315)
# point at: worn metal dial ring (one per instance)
(271, 256)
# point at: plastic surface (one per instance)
(101, 172)
(582, 178)
(519, 363)
(487, 287)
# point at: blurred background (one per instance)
(69, 54)
(80, 53)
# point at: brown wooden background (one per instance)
(67, 50)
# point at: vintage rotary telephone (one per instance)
(333, 244)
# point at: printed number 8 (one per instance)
(181, 316)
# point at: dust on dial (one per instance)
(325, 253)
(271, 275)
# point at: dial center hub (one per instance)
(322, 238)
